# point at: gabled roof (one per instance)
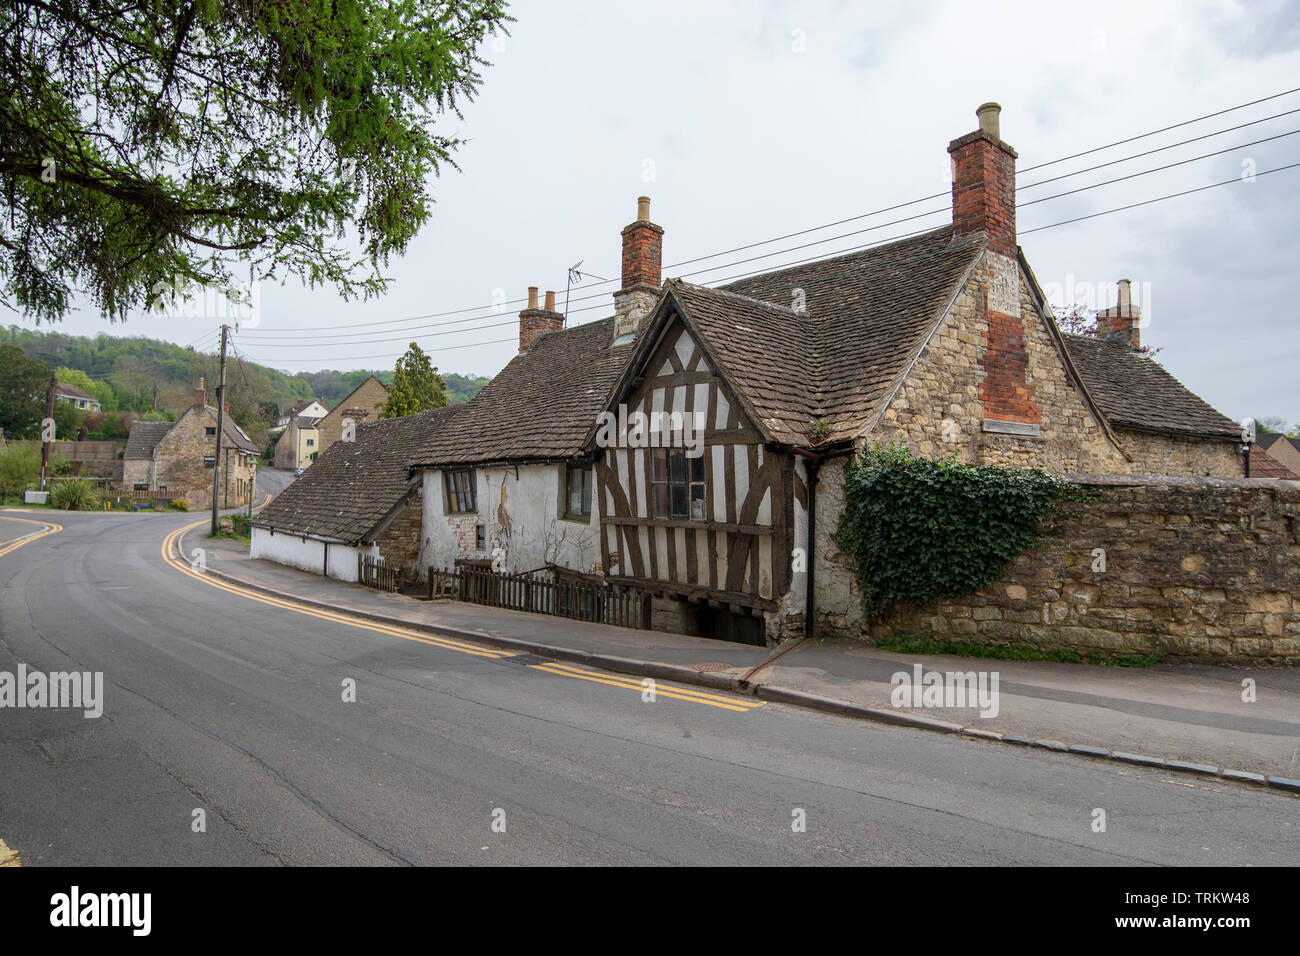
(144, 437)
(1267, 440)
(233, 433)
(542, 406)
(868, 314)
(63, 388)
(1264, 465)
(356, 487)
(1134, 391)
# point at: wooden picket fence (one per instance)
(378, 573)
(620, 605)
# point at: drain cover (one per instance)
(712, 666)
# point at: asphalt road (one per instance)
(233, 706)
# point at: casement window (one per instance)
(480, 537)
(211, 431)
(677, 484)
(311, 442)
(577, 491)
(459, 487)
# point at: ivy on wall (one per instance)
(918, 530)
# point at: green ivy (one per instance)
(918, 530)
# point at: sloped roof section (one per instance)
(144, 437)
(234, 434)
(1134, 391)
(353, 486)
(868, 314)
(764, 350)
(1264, 465)
(541, 406)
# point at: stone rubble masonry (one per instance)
(399, 543)
(1195, 568)
(940, 408)
(178, 466)
(363, 405)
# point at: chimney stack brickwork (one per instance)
(535, 321)
(984, 203)
(1122, 320)
(200, 394)
(642, 265)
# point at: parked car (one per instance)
(297, 472)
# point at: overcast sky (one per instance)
(746, 121)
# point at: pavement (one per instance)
(1196, 719)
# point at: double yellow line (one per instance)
(169, 555)
(639, 684)
(172, 557)
(49, 526)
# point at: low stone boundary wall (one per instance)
(1204, 568)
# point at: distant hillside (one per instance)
(140, 374)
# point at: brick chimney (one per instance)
(535, 321)
(984, 183)
(200, 394)
(1122, 320)
(643, 244)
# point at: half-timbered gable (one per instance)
(709, 516)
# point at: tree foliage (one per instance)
(417, 386)
(918, 530)
(23, 385)
(146, 146)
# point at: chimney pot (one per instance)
(1122, 320)
(550, 301)
(532, 297)
(642, 208)
(200, 394)
(989, 115)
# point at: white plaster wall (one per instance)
(521, 515)
(307, 554)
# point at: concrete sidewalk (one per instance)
(1166, 717)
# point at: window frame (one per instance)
(662, 497)
(588, 491)
(466, 486)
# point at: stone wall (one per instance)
(1187, 568)
(399, 543)
(938, 408)
(179, 464)
(1154, 454)
(363, 405)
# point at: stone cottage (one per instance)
(175, 459)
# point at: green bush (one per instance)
(20, 465)
(178, 504)
(75, 495)
(239, 524)
(919, 530)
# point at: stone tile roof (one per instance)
(144, 437)
(542, 405)
(1134, 391)
(234, 434)
(865, 317)
(1264, 465)
(352, 487)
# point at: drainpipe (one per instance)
(325, 565)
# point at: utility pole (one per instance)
(221, 409)
(49, 415)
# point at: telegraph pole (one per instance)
(221, 409)
(49, 414)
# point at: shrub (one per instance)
(178, 504)
(76, 495)
(918, 530)
(20, 465)
(239, 524)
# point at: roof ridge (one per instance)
(747, 299)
